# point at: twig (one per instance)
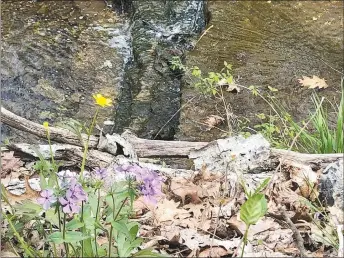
(296, 233)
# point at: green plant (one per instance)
(73, 211)
(211, 84)
(320, 137)
(254, 208)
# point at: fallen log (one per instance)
(56, 134)
(144, 148)
(95, 158)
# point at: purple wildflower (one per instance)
(68, 203)
(150, 181)
(47, 198)
(65, 177)
(151, 186)
(77, 192)
(101, 173)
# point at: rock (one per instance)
(235, 154)
(331, 189)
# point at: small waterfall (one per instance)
(151, 95)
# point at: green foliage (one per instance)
(317, 137)
(210, 84)
(89, 215)
(254, 208)
(176, 64)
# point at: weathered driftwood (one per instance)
(72, 156)
(144, 148)
(305, 157)
(56, 134)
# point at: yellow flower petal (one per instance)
(101, 100)
(46, 124)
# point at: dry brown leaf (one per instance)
(196, 209)
(30, 194)
(312, 83)
(214, 252)
(9, 163)
(182, 188)
(171, 233)
(167, 210)
(213, 120)
(140, 205)
(194, 240)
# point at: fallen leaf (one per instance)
(167, 210)
(214, 252)
(9, 163)
(194, 240)
(102, 240)
(213, 120)
(312, 83)
(183, 187)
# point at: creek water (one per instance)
(55, 56)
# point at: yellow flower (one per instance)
(46, 124)
(102, 101)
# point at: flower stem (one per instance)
(54, 246)
(86, 144)
(245, 240)
(110, 240)
(64, 234)
(120, 208)
(95, 230)
(83, 229)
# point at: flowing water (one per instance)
(55, 56)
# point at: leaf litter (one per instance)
(196, 216)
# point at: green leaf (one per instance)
(74, 224)
(262, 185)
(133, 231)
(147, 253)
(88, 250)
(253, 209)
(272, 89)
(4, 195)
(52, 217)
(71, 237)
(120, 227)
(27, 207)
(42, 181)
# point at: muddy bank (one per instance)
(269, 43)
